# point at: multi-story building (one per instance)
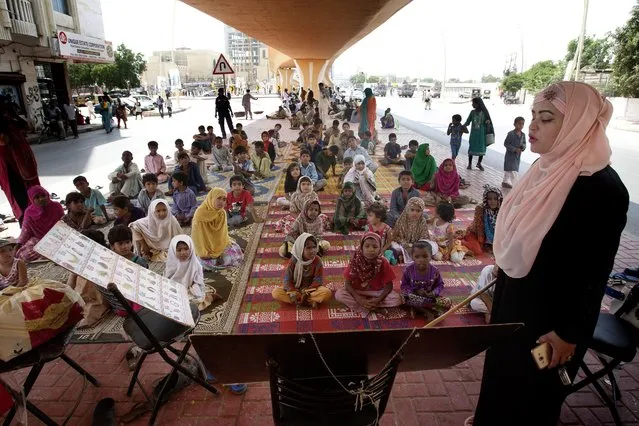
(248, 57)
(194, 65)
(38, 38)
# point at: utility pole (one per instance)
(580, 44)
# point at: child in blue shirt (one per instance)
(455, 130)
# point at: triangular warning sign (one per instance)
(222, 66)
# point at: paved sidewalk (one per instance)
(437, 398)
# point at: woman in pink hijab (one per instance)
(555, 242)
(39, 218)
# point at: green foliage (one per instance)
(124, 73)
(542, 74)
(373, 79)
(453, 80)
(625, 68)
(489, 78)
(597, 53)
(358, 78)
(512, 83)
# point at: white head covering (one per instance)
(298, 255)
(353, 174)
(189, 273)
(157, 232)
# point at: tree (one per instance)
(124, 73)
(542, 74)
(597, 52)
(489, 78)
(625, 68)
(80, 76)
(358, 78)
(453, 80)
(373, 79)
(512, 83)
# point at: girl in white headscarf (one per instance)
(184, 267)
(153, 233)
(363, 179)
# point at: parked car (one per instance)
(145, 101)
(436, 95)
(357, 95)
(406, 91)
(486, 94)
(466, 95)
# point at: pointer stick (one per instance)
(460, 305)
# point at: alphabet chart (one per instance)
(88, 259)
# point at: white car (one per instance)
(357, 95)
(145, 101)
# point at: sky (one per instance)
(428, 38)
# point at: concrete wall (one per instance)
(625, 108)
(90, 18)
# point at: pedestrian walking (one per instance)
(91, 108)
(160, 103)
(427, 99)
(120, 113)
(70, 111)
(246, 103)
(515, 144)
(481, 127)
(223, 111)
(138, 110)
(55, 120)
(106, 113)
(169, 106)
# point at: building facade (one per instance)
(193, 65)
(248, 57)
(38, 39)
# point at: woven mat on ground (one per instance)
(230, 284)
(259, 313)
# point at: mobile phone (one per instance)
(542, 355)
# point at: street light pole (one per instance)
(580, 44)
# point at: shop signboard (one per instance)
(83, 48)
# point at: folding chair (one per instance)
(153, 333)
(36, 359)
(613, 342)
(321, 400)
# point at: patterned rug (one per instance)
(259, 313)
(230, 284)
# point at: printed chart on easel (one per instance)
(88, 259)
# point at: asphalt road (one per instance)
(432, 124)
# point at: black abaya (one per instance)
(561, 293)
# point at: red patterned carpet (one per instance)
(259, 313)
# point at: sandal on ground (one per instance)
(480, 167)
(104, 413)
(238, 388)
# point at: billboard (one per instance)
(84, 48)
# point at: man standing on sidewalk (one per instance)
(223, 111)
(160, 103)
(70, 111)
(427, 98)
(246, 103)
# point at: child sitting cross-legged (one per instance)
(93, 199)
(192, 172)
(304, 275)
(346, 167)
(152, 234)
(183, 266)
(13, 270)
(179, 149)
(376, 217)
(125, 212)
(422, 283)
(369, 279)
(154, 163)
(243, 166)
(308, 221)
(349, 211)
(121, 241)
(401, 195)
(293, 174)
(150, 191)
(210, 233)
(299, 198)
(78, 215)
(411, 227)
(261, 161)
(442, 230)
(238, 202)
(184, 201)
(39, 217)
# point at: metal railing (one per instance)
(22, 20)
